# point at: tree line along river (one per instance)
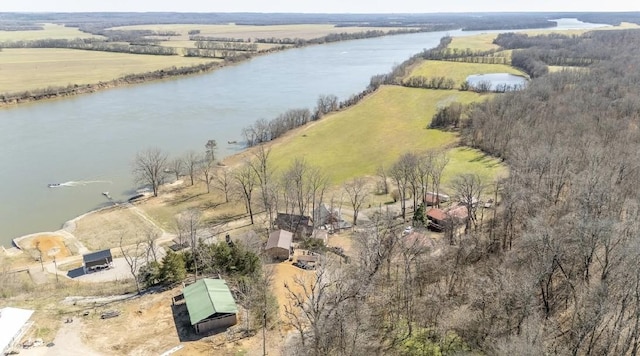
(88, 142)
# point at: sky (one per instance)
(318, 6)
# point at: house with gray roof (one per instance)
(279, 244)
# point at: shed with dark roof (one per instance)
(97, 260)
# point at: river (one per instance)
(89, 141)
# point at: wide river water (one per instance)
(88, 142)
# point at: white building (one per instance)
(14, 323)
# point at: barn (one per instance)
(279, 244)
(97, 260)
(210, 305)
(14, 323)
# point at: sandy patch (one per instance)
(285, 273)
(46, 245)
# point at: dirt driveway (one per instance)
(67, 342)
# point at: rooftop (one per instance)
(280, 238)
(437, 214)
(207, 297)
(97, 256)
(11, 321)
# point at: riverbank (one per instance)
(12, 99)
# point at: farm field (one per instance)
(49, 31)
(35, 68)
(375, 133)
(459, 71)
(483, 42)
(306, 32)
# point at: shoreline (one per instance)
(9, 100)
(67, 229)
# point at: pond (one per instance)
(499, 82)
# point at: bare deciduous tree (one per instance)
(383, 187)
(222, 181)
(176, 165)
(264, 176)
(148, 168)
(245, 178)
(191, 160)
(438, 162)
(357, 192)
(206, 169)
(188, 224)
(468, 188)
(133, 256)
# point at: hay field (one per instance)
(307, 31)
(49, 31)
(459, 71)
(483, 42)
(35, 68)
(375, 132)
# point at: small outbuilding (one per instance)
(210, 305)
(97, 260)
(14, 323)
(279, 244)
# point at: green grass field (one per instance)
(34, 68)
(459, 71)
(49, 31)
(375, 132)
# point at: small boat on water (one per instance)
(106, 194)
(53, 185)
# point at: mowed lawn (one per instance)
(35, 68)
(375, 133)
(304, 31)
(49, 31)
(459, 71)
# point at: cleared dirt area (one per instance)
(28, 68)
(47, 245)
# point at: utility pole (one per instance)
(56, 267)
(40, 251)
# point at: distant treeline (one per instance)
(466, 55)
(90, 21)
(500, 24)
(533, 54)
(335, 37)
(92, 45)
(18, 27)
(222, 54)
(228, 46)
(216, 39)
(53, 92)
